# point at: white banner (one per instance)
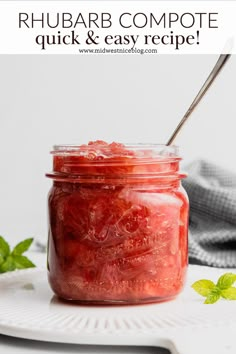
(117, 27)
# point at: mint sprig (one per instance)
(11, 260)
(213, 292)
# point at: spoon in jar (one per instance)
(223, 58)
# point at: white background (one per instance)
(47, 100)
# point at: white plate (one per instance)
(28, 309)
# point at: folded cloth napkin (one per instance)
(212, 195)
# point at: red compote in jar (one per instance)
(118, 223)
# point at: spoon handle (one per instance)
(215, 71)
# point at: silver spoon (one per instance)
(215, 71)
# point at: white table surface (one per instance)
(224, 340)
(10, 345)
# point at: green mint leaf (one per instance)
(22, 262)
(1, 259)
(4, 248)
(8, 265)
(10, 261)
(213, 296)
(203, 287)
(22, 247)
(226, 281)
(229, 294)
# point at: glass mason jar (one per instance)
(118, 223)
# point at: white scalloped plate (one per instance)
(28, 309)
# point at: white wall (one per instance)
(73, 99)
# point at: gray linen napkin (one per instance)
(212, 194)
